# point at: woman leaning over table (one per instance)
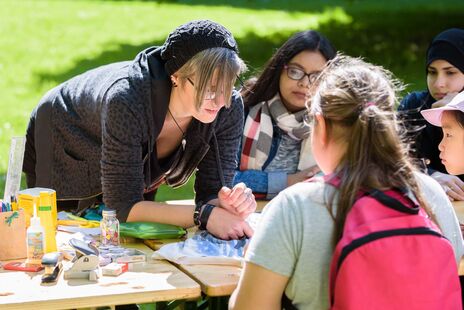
(121, 130)
(275, 151)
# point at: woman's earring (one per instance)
(173, 78)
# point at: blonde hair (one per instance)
(357, 101)
(219, 62)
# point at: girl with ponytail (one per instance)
(354, 135)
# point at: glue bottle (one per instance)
(35, 238)
(46, 218)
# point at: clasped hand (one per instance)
(451, 184)
(228, 221)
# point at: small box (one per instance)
(136, 266)
(131, 256)
(114, 269)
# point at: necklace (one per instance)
(183, 133)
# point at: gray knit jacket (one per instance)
(96, 134)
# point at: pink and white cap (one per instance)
(433, 116)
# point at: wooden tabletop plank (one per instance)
(459, 209)
(155, 281)
(215, 280)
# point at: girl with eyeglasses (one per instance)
(115, 133)
(445, 78)
(275, 151)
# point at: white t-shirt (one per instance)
(295, 234)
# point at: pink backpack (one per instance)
(391, 256)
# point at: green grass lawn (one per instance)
(46, 42)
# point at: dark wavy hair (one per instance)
(267, 84)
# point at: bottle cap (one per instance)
(35, 220)
(109, 212)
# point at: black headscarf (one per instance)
(449, 46)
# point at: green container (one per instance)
(149, 230)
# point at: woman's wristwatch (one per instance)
(201, 214)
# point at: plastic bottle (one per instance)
(109, 228)
(48, 223)
(35, 240)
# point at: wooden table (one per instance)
(459, 209)
(215, 280)
(155, 281)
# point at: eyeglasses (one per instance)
(211, 95)
(297, 74)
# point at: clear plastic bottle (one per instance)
(109, 228)
(35, 240)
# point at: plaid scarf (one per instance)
(258, 132)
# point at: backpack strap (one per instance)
(287, 303)
(392, 203)
(380, 196)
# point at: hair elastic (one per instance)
(369, 103)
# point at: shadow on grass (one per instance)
(309, 6)
(121, 53)
(288, 5)
(395, 39)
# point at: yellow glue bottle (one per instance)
(35, 240)
(47, 221)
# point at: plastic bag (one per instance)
(203, 248)
(148, 230)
